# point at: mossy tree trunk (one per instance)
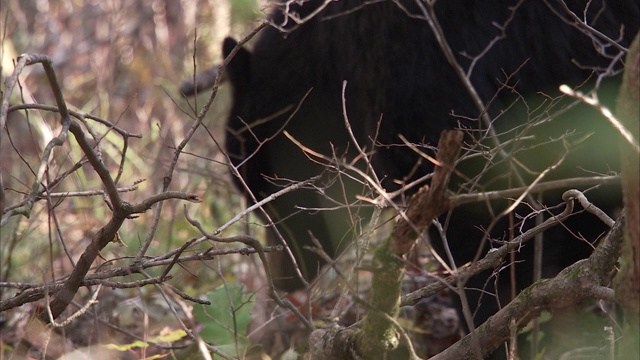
(627, 284)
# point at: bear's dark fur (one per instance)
(399, 82)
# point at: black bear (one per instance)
(381, 65)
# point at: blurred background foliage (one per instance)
(123, 61)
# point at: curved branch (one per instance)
(552, 294)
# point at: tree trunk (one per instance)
(627, 284)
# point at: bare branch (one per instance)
(554, 294)
(594, 103)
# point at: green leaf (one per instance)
(226, 320)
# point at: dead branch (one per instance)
(378, 334)
(579, 282)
